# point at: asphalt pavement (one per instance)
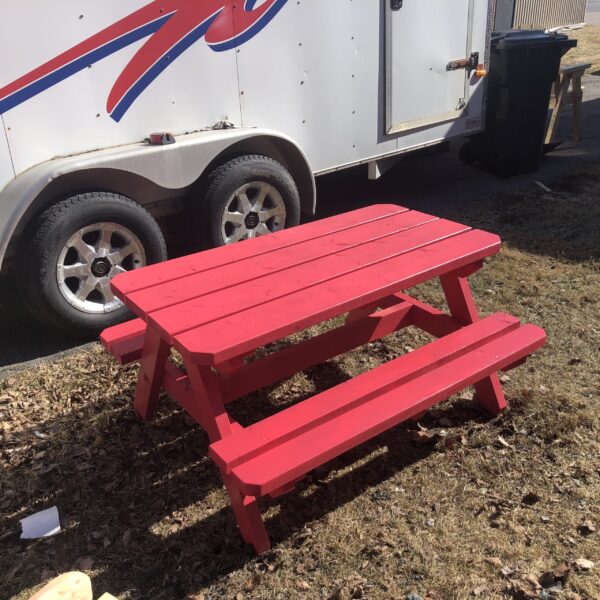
(592, 15)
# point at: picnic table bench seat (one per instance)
(125, 341)
(265, 457)
(217, 308)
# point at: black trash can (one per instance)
(523, 66)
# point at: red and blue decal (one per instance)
(174, 26)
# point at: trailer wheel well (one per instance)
(161, 201)
(139, 189)
(281, 150)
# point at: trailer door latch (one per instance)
(396, 4)
(464, 63)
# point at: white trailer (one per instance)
(260, 96)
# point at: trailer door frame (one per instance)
(402, 64)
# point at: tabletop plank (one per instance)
(278, 263)
(234, 334)
(240, 298)
(152, 275)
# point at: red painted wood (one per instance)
(125, 341)
(207, 394)
(152, 367)
(429, 318)
(265, 456)
(247, 515)
(488, 392)
(220, 305)
(281, 263)
(459, 298)
(178, 386)
(342, 397)
(229, 335)
(306, 277)
(258, 247)
(313, 351)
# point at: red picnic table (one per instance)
(217, 307)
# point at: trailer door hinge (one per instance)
(464, 63)
(396, 4)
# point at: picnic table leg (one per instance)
(249, 519)
(218, 425)
(207, 393)
(152, 368)
(488, 392)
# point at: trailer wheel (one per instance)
(73, 250)
(248, 196)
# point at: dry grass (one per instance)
(144, 512)
(587, 50)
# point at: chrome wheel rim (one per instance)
(90, 258)
(254, 209)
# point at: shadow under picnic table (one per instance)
(147, 506)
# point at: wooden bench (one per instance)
(274, 453)
(218, 307)
(569, 77)
(125, 341)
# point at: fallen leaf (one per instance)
(558, 575)
(504, 442)
(531, 580)
(422, 437)
(507, 571)
(126, 538)
(85, 563)
(302, 585)
(493, 560)
(530, 499)
(586, 528)
(47, 574)
(583, 564)
(251, 583)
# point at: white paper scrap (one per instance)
(41, 524)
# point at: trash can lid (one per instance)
(536, 37)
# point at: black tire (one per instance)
(46, 239)
(206, 210)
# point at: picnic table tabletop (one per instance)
(217, 305)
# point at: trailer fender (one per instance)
(147, 173)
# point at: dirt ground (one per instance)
(459, 505)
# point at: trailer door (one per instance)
(423, 38)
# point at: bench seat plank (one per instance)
(125, 341)
(274, 452)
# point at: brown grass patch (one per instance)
(587, 49)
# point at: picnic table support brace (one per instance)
(488, 392)
(152, 367)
